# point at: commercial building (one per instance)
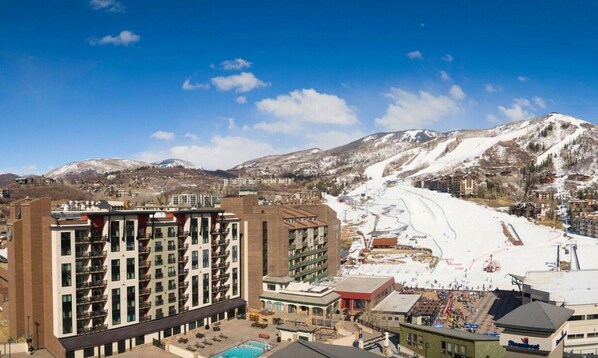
(576, 290)
(536, 329)
(429, 341)
(358, 293)
(295, 241)
(101, 282)
(394, 309)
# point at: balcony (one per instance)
(145, 292)
(183, 298)
(99, 313)
(219, 254)
(145, 250)
(183, 234)
(145, 278)
(220, 266)
(83, 240)
(221, 299)
(98, 239)
(94, 329)
(145, 264)
(183, 247)
(145, 318)
(222, 277)
(83, 316)
(82, 254)
(183, 260)
(183, 272)
(183, 285)
(221, 288)
(220, 242)
(144, 237)
(145, 305)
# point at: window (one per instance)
(130, 235)
(139, 340)
(264, 248)
(115, 270)
(171, 232)
(159, 260)
(171, 245)
(159, 273)
(593, 335)
(592, 316)
(130, 303)
(235, 282)
(158, 233)
(114, 236)
(66, 275)
(159, 287)
(194, 260)
(171, 271)
(171, 259)
(204, 230)
(575, 336)
(195, 290)
(271, 287)
(234, 231)
(206, 258)
(577, 318)
(171, 284)
(67, 314)
(65, 243)
(206, 288)
(235, 253)
(194, 233)
(130, 268)
(115, 306)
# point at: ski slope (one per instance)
(462, 234)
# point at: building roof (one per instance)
(468, 336)
(299, 298)
(536, 316)
(361, 284)
(277, 279)
(397, 303)
(576, 287)
(303, 349)
(384, 241)
(293, 327)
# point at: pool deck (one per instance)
(237, 332)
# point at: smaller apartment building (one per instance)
(576, 290)
(101, 282)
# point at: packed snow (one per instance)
(464, 235)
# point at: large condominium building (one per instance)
(587, 224)
(285, 242)
(95, 283)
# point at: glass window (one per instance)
(130, 303)
(66, 275)
(204, 230)
(130, 235)
(65, 243)
(130, 268)
(114, 236)
(195, 290)
(194, 231)
(115, 270)
(194, 260)
(171, 271)
(235, 282)
(171, 232)
(206, 258)
(235, 253)
(234, 231)
(171, 259)
(67, 314)
(115, 306)
(206, 288)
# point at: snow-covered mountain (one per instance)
(175, 163)
(95, 166)
(417, 153)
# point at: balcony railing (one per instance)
(159, 248)
(183, 260)
(184, 297)
(91, 284)
(221, 277)
(99, 313)
(159, 302)
(172, 299)
(145, 318)
(221, 299)
(159, 262)
(94, 329)
(171, 247)
(183, 286)
(220, 266)
(82, 254)
(145, 264)
(220, 242)
(159, 288)
(172, 287)
(183, 247)
(183, 272)
(145, 305)
(145, 292)
(159, 275)
(144, 278)
(145, 250)
(221, 288)
(218, 254)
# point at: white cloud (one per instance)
(447, 58)
(305, 106)
(188, 86)
(241, 100)
(444, 76)
(415, 55)
(286, 127)
(191, 136)
(520, 109)
(220, 153)
(330, 139)
(125, 38)
(243, 82)
(490, 88)
(231, 123)
(108, 5)
(539, 102)
(163, 135)
(491, 118)
(523, 78)
(457, 93)
(416, 110)
(236, 64)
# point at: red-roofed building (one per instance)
(358, 292)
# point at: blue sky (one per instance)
(221, 82)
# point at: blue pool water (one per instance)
(249, 349)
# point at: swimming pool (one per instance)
(249, 349)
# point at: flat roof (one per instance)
(277, 279)
(578, 287)
(361, 284)
(397, 302)
(468, 336)
(304, 349)
(293, 327)
(324, 300)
